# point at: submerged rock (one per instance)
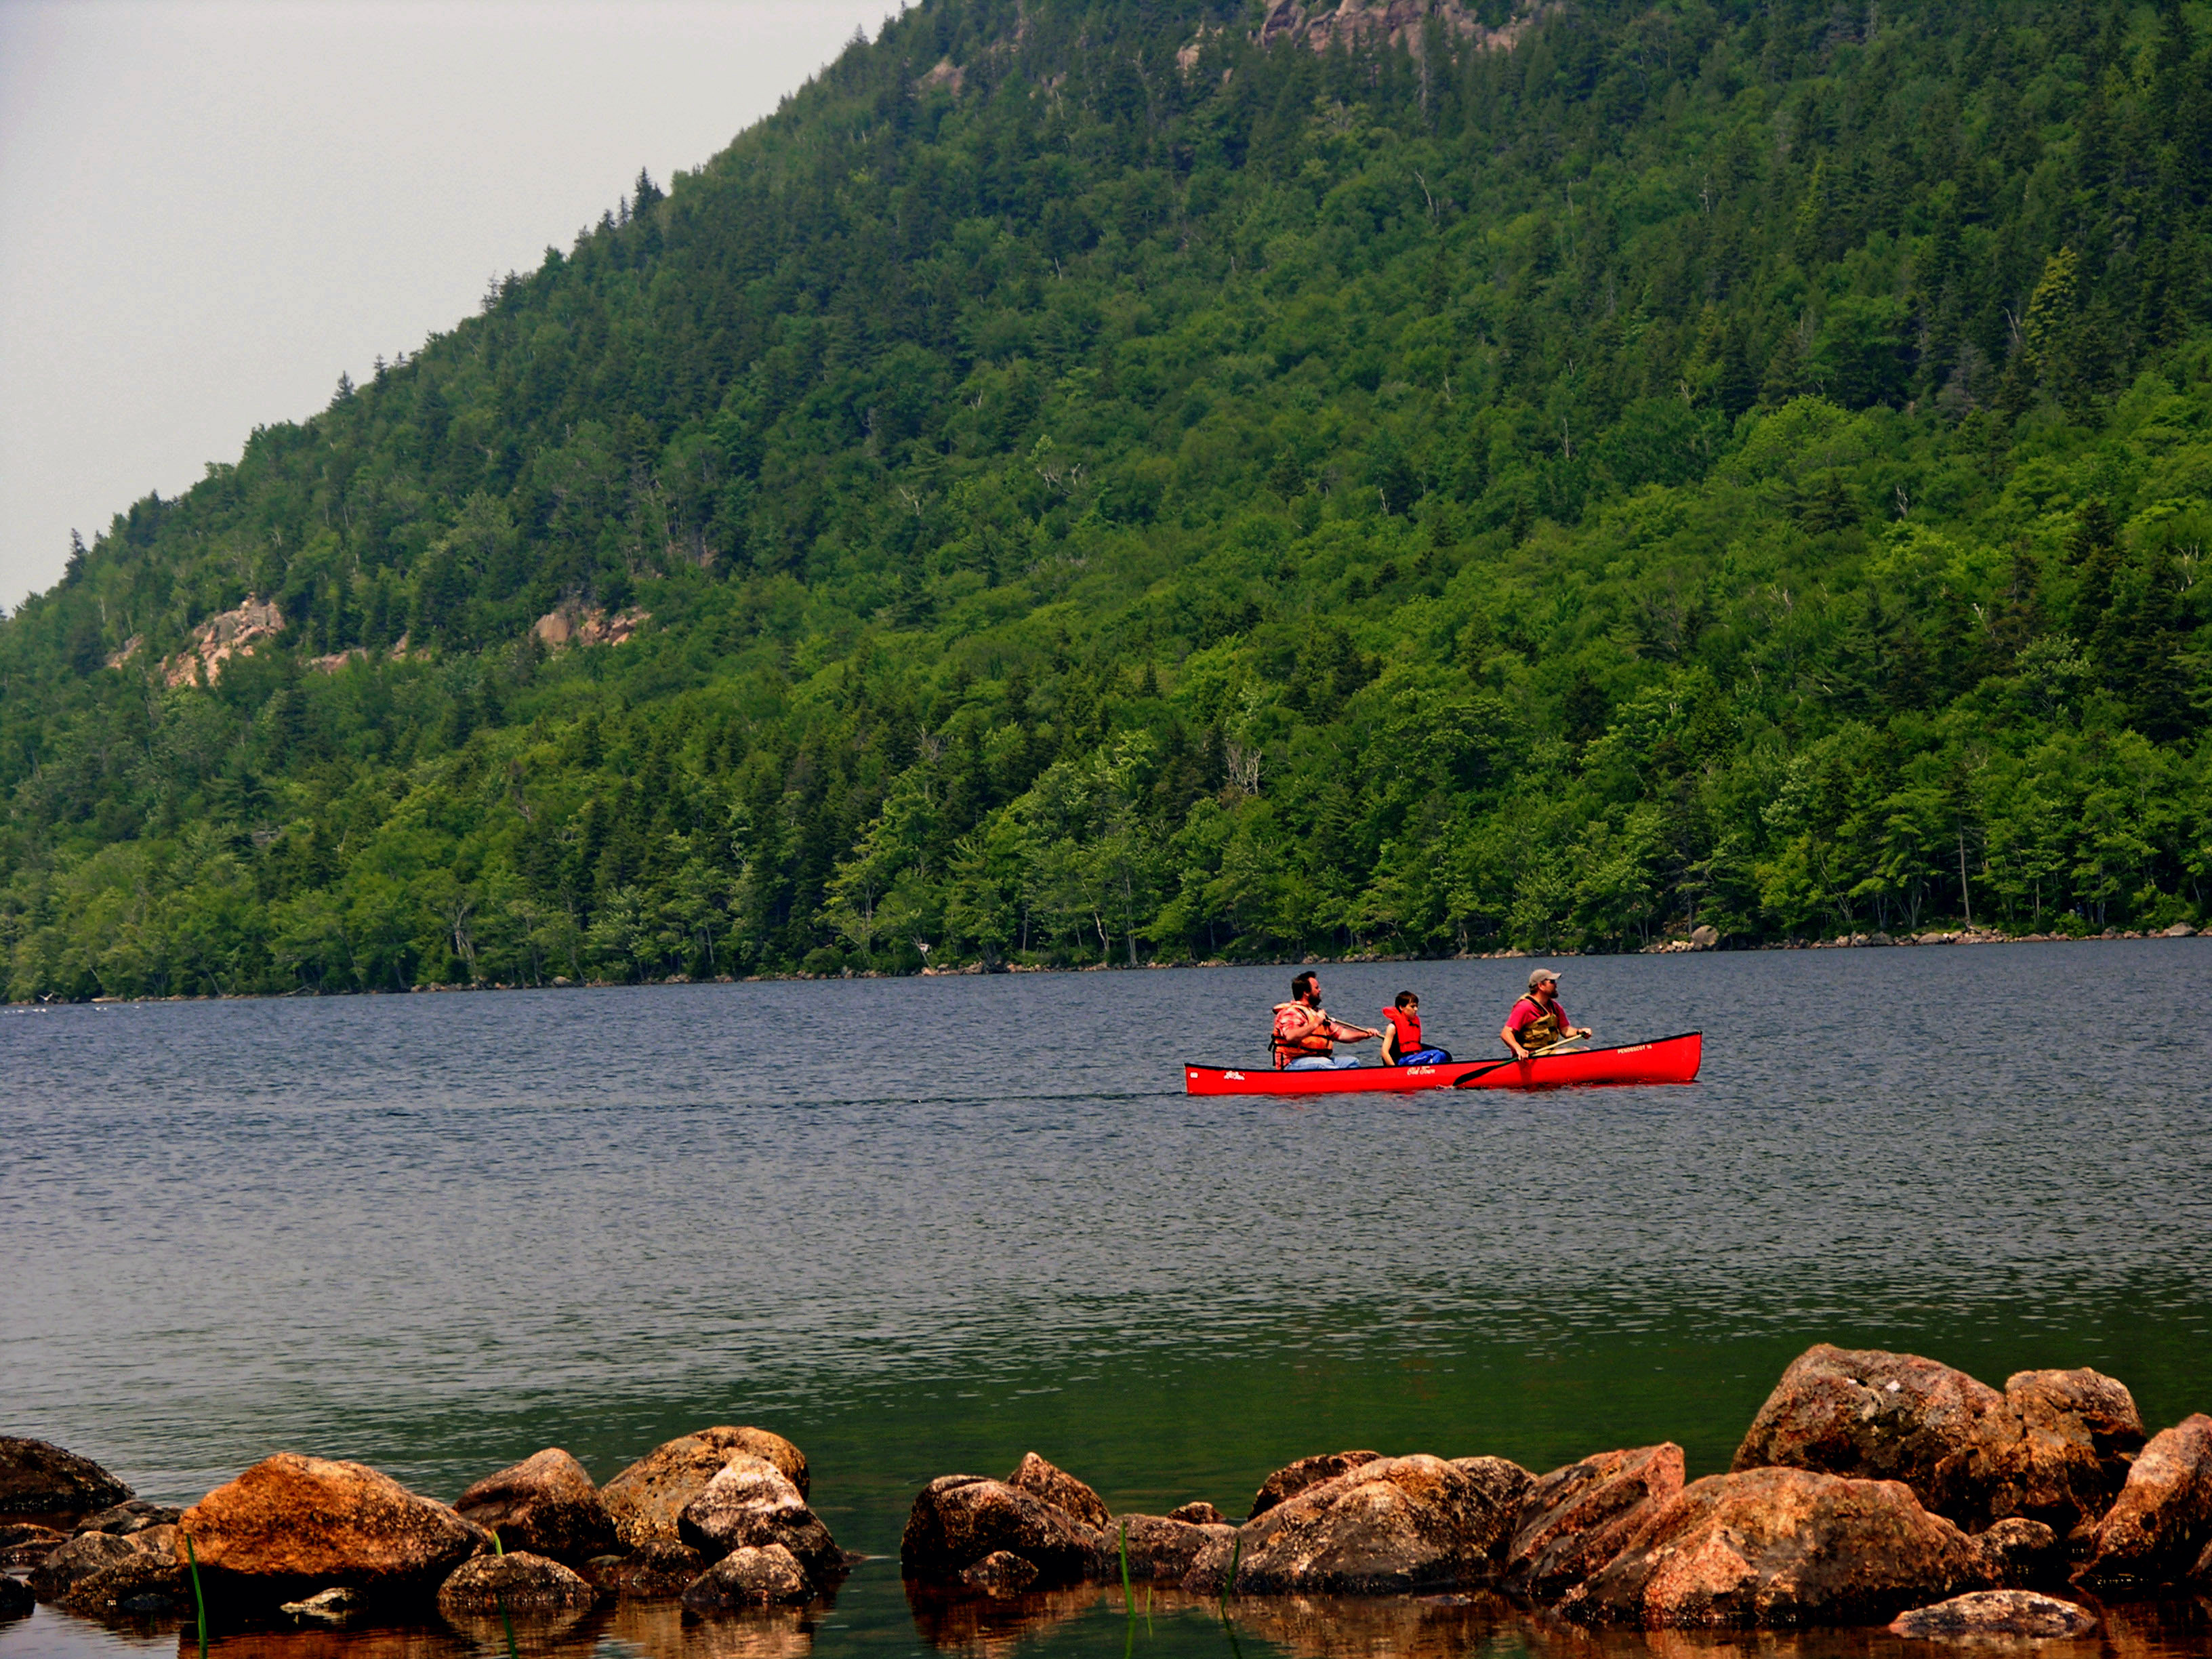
(750, 1577)
(1159, 1545)
(2053, 1447)
(1001, 1573)
(1995, 1612)
(144, 1581)
(1573, 1521)
(958, 1519)
(1060, 1489)
(292, 1523)
(1294, 1478)
(1781, 1547)
(517, 1582)
(40, 1481)
(2161, 1522)
(25, 1544)
(330, 1606)
(655, 1571)
(646, 1500)
(1394, 1525)
(545, 1505)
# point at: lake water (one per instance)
(926, 1226)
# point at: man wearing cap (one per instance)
(1537, 1020)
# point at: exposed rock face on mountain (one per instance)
(2160, 1525)
(40, 1481)
(575, 625)
(1393, 1525)
(958, 1519)
(517, 1582)
(545, 1505)
(1399, 22)
(2054, 1446)
(226, 634)
(646, 1500)
(291, 1524)
(1058, 1488)
(1782, 1546)
(1574, 1520)
(1995, 1612)
(1293, 1478)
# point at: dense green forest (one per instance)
(1157, 480)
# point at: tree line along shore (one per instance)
(1872, 1488)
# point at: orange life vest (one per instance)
(1300, 1030)
(1407, 1025)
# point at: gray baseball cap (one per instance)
(1538, 976)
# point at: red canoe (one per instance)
(1669, 1059)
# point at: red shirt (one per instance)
(1526, 1010)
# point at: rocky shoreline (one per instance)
(1872, 1490)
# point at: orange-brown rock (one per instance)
(646, 1500)
(2023, 1554)
(1573, 1521)
(1774, 1546)
(2053, 1447)
(1994, 1613)
(291, 1524)
(2162, 1522)
(1306, 1472)
(1199, 1513)
(517, 1582)
(1394, 1525)
(41, 1482)
(1060, 1489)
(25, 1543)
(651, 1572)
(1504, 1480)
(750, 1577)
(958, 1519)
(1001, 1573)
(545, 1505)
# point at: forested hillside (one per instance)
(1138, 480)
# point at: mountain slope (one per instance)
(1160, 481)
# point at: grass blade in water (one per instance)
(1128, 1596)
(199, 1601)
(1235, 1547)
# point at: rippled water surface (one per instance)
(923, 1225)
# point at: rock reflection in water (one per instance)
(431, 1641)
(992, 1627)
(2174, 1628)
(662, 1630)
(1372, 1627)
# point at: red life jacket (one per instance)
(1407, 1025)
(1300, 1030)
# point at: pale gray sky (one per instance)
(208, 208)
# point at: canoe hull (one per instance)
(1668, 1059)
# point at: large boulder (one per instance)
(40, 1481)
(292, 1525)
(1060, 1489)
(2162, 1519)
(517, 1582)
(750, 1505)
(750, 1577)
(1573, 1521)
(1397, 1524)
(545, 1505)
(2053, 1447)
(1782, 1546)
(646, 1500)
(2079, 1430)
(1294, 1478)
(1982, 1613)
(1160, 1545)
(958, 1519)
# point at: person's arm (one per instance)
(1390, 1042)
(1510, 1035)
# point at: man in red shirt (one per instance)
(1537, 1020)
